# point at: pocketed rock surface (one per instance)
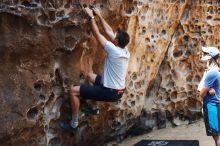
(46, 44)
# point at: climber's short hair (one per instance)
(122, 37)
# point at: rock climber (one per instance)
(111, 85)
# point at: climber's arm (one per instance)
(99, 37)
(106, 26)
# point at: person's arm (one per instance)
(108, 30)
(204, 91)
(208, 84)
(99, 37)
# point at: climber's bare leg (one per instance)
(75, 104)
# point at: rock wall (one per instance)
(46, 44)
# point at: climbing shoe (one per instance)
(67, 126)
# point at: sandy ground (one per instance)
(194, 131)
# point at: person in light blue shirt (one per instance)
(210, 92)
(212, 80)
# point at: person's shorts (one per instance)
(211, 115)
(100, 93)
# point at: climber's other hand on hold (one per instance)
(89, 12)
(96, 11)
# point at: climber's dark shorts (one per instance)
(100, 93)
(211, 113)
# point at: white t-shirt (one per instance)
(115, 66)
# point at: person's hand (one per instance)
(97, 12)
(89, 12)
(211, 91)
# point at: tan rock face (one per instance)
(45, 45)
